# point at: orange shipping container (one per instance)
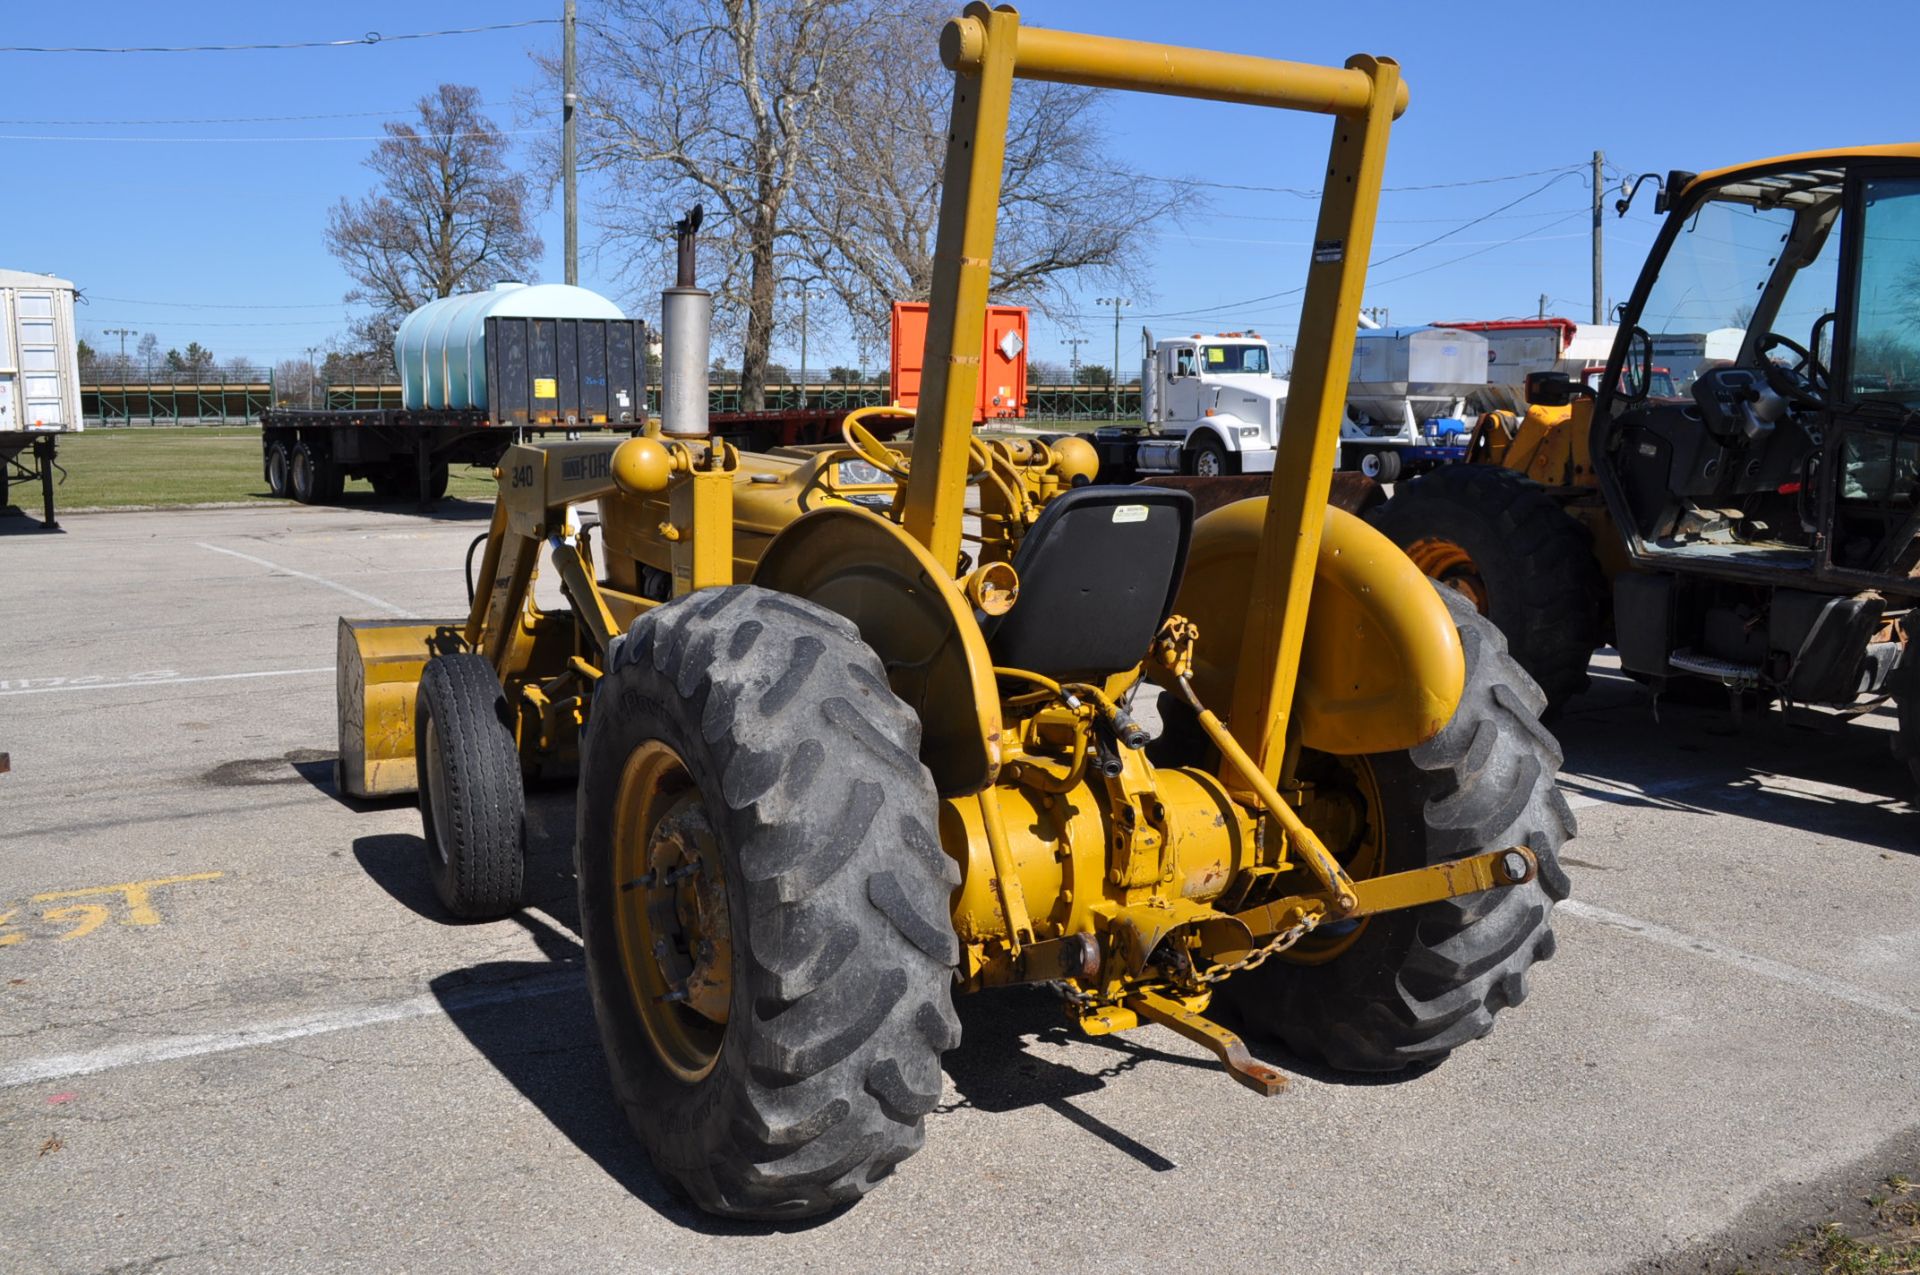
(1002, 393)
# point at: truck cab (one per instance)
(1212, 405)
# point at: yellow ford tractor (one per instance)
(855, 726)
(1753, 521)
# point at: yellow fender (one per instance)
(1381, 669)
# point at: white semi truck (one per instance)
(1212, 405)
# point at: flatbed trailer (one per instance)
(309, 454)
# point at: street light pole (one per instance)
(312, 376)
(1113, 373)
(803, 347)
(568, 98)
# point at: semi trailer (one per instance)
(39, 381)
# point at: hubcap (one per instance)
(1207, 464)
(671, 916)
(1370, 464)
(1452, 566)
(1345, 812)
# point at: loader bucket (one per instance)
(378, 670)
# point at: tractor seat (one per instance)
(1098, 573)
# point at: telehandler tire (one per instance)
(1499, 539)
(1402, 989)
(473, 800)
(1905, 685)
(764, 903)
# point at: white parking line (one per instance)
(1778, 971)
(166, 1048)
(367, 598)
(165, 681)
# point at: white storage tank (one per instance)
(441, 350)
(39, 355)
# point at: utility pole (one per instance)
(123, 334)
(1113, 373)
(803, 346)
(1599, 159)
(567, 100)
(312, 376)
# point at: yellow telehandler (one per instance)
(1748, 527)
(855, 726)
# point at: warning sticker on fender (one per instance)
(1129, 513)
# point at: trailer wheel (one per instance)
(312, 476)
(1406, 988)
(1207, 457)
(473, 801)
(1498, 538)
(1381, 466)
(764, 903)
(278, 462)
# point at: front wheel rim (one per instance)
(1450, 565)
(1207, 465)
(671, 915)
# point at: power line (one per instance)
(218, 305)
(370, 38)
(361, 137)
(229, 119)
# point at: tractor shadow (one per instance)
(397, 861)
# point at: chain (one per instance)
(1277, 944)
(1213, 973)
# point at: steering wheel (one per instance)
(1807, 383)
(870, 449)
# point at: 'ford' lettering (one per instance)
(576, 469)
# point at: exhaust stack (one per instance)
(686, 341)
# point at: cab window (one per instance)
(1885, 354)
(1250, 359)
(1183, 361)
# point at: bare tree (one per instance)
(448, 215)
(714, 101)
(1070, 213)
(816, 158)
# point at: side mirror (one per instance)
(1550, 389)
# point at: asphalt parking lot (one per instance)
(235, 1033)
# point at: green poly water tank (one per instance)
(441, 347)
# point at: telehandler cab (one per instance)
(844, 747)
(1754, 524)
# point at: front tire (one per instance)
(775, 1041)
(1498, 538)
(1402, 989)
(1207, 457)
(1382, 467)
(473, 801)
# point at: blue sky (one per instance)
(220, 240)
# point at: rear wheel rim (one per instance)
(1452, 566)
(277, 469)
(1370, 464)
(672, 920)
(1347, 814)
(302, 474)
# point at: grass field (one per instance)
(188, 465)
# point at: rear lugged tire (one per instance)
(1417, 984)
(806, 768)
(473, 802)
(1499, 538)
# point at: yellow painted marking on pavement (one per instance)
(84, 918)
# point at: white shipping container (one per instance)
(39, 355)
